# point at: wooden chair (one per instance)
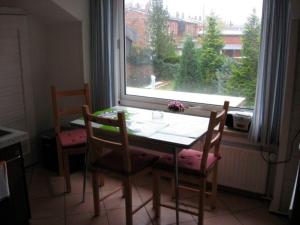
(194, 167)
(122, 161)
(72, 141)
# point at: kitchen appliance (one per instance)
(14, 210)
(239, 120)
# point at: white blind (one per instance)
(12, 108)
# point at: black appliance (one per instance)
(15, 209)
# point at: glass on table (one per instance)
(156, 114)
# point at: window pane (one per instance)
(190, 50)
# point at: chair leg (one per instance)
(101, 180)
(96, 193)
(128, 200)
(173, 188)
(67, 172)
(156, 193)
(214, 187)
(123, 189)
(202, 189)
(60, 159)
(85, 173)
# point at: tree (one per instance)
(161, 41)
(188, 77)
(224, 74)
(211, 58)
(243, 80)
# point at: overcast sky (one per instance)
(235, 11)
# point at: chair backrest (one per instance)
(59, 112)
(213, 135)
(99, 138)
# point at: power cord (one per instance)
(272, 154)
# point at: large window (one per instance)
(190, 50)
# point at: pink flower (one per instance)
(176, 106)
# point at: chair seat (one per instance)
(70, 138)
(189, 161)
(113, 161)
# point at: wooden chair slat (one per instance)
(70, 93)
(215, 140)
(104, 121)
(69, 111)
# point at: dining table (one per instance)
(165, 132)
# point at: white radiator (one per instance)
(242, 169)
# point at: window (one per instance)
(190, 50)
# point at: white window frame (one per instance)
(201, 109)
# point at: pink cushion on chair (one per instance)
(189, 161)
(114, 161)
(71, 138)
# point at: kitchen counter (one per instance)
(10, 136)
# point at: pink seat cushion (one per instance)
(70, 138)
(189, 161)
(113, 161)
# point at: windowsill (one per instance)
(235, 133)
(185, 96)
(238, 138)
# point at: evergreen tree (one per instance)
(211, 58)
(188, 77)
(161, 41)
(243, 80)
(224, 74)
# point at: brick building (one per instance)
(232, 41)
(136, 31)
(136, 20)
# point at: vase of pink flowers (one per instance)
(175, 106)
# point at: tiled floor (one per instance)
(50, 206)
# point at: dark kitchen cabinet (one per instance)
(15, 210)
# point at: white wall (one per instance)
(40, 78)
(80, 10)
(64, 55)
(58, 36)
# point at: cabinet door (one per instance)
(18, 192)
(14, 210)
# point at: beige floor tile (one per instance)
(48, 221)
(47, 207)
(220, 210)
(144, 192)
(86, 219)
(74, 204)
(117, 201)
(237, 203)
(117, 217)
(39, 172)
(222, 220)
(77, 183)
(168, 216)
(110, 183)
(187, 223)
(260, 217)
(144, 180)
(49, 187)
